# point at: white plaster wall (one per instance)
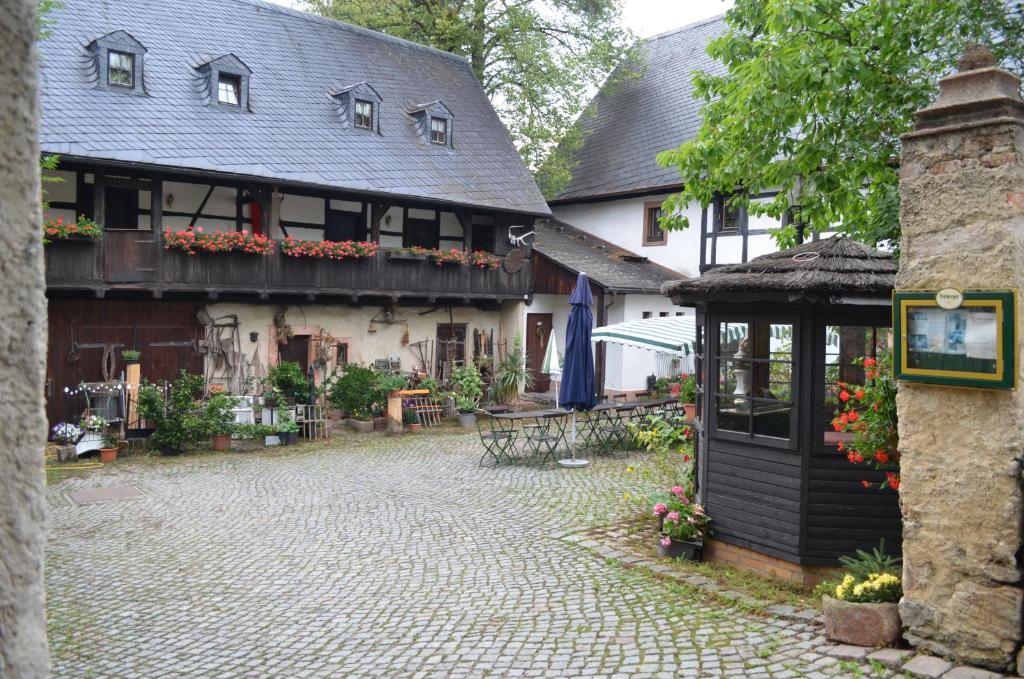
(352, 325)
(626, 368)
(60, 191)
(622, 222)
(186, 198)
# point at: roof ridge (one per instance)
(695, 24)
(353, 28)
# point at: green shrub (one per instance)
(287, 377)
(512, 376)
(176, 418)
(468, 386)
(217, 414)
(354, 391)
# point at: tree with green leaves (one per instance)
(538, 60)
(815, 96)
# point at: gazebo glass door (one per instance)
(754, 378)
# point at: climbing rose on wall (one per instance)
(868, 413)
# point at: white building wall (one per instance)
(626, 368)
(622, 222)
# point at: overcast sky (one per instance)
(644, 17)
(650, 17)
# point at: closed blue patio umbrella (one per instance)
(576, 390)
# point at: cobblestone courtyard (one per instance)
(374, 556)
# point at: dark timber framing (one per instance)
(133, 262)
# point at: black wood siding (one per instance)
(843, 515)
(753, 497)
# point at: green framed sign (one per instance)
(956, 339)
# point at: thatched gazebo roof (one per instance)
(835, 266)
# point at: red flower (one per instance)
(869, 362)
(844, 396)
(865, 484)
(892, 480)
(859, 394)
(881, 456)
(840, 446)
(853, 417)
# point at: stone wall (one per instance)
(962, 219)
(23, 651)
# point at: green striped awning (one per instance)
(666, 334)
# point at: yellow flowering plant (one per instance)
(877, 588)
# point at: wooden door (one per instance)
(296, 351)
(538, 332)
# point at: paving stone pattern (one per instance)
(369, 556)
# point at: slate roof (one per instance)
(292, 133)
(611, 267)
(633, 118)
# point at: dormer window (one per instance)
(229, 89)
(224, 83)
(438, 130)
(363, 118)
(357, 106)
(434, 123)
(120, 69)
(116, 64)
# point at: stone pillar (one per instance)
(23, 651)
(962, 219)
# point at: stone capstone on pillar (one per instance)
(962, 225)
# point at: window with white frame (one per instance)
(229, 89)
(438, 130)
(363, 115)
(120, 69)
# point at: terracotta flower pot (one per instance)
(862, 624)
(691, 411)
(415, 426)
(222, 442)
(108, 455)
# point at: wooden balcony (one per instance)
(126, 261)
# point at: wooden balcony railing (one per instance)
(133, 260)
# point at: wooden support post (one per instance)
(99, 196)
(466, 220)
(156, 223)
(394, 413)
(132, 377)
(377, 211)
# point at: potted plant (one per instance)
(688, 396)
(108, 448)
(863, 608)
(412, 421)
(682, 524)
(469, 387)
(67, 435)
(512, 376)
(131, 356)
(288, 428)
(218, 416)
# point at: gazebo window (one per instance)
(755, 379)
(846, 347)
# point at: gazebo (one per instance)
(773, 334)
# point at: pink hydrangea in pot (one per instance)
(682, 524)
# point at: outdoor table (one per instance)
(654, 407)
(607, 426)
(542, 431)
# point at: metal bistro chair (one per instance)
(498, 442)
(541, 443)
(613, 431)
